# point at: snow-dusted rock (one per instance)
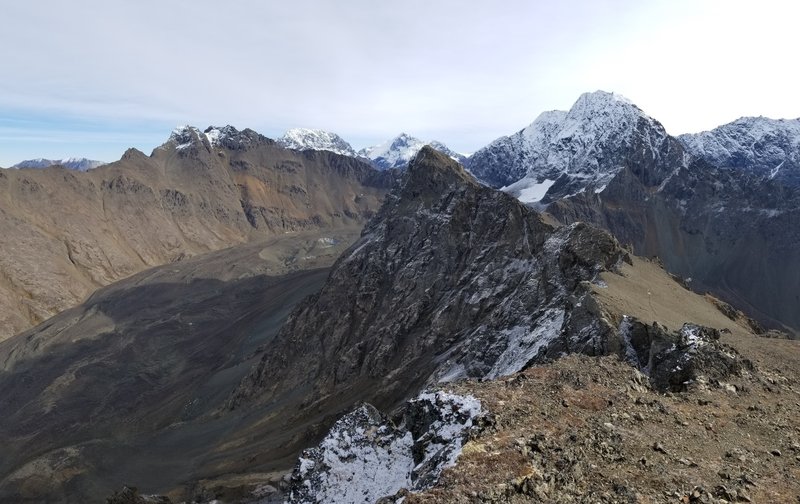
(451, 279)
(365, 457)
(315, 139)
(676, 360)
(757, 145)
(400, 150)
(563, 153)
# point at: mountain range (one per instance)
(151, 378)
(66, 233)
(78, 164)
(394, 153)
(238, 319)
(715, 207)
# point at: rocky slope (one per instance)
(594, 429)
(399, 151)
(602, 428)
(727, 232)
(759, 146)
(438, 288)
(125, 386)
(313, 139)
(67, 233)
(78, 164)
(590, 430)
(563, 153)
(450, 279)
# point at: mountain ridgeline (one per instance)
(67, 233)
(196, 376)
(719, 208)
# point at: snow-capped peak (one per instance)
(216, 135)
(315, 139)
(400, 150)
(185, 136)
(759, 145)
(72, 163)
(568, 152)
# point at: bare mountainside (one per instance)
(586, 429)
(181, 380)
(67, 233)
(125, 385)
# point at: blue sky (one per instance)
(92, 78)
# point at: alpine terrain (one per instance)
(313, 139)
(150, 381)
(716, 212)
(237, 319)
(78, 164)
(399, 151)
(66, 233)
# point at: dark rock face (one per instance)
(131, 495)
(728, 232)
(449, 280)
(674, 361)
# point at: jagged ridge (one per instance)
(439, 288)
(563, 153)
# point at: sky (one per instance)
(91, 78)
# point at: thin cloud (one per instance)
(463, 73)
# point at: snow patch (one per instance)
(524, 343)
(529, 190)
(365, 457)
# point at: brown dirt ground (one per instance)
(585, 429)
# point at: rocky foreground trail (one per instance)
(586, 429)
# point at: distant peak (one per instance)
(72, 163)
(184, 136)
(316, 139)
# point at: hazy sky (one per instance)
(91, 78)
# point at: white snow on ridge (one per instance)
(73, 163)
(365, 457)
(400, 150)
(525, 342)
(315, 139)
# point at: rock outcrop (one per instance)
(365, 456)
(449, 280)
